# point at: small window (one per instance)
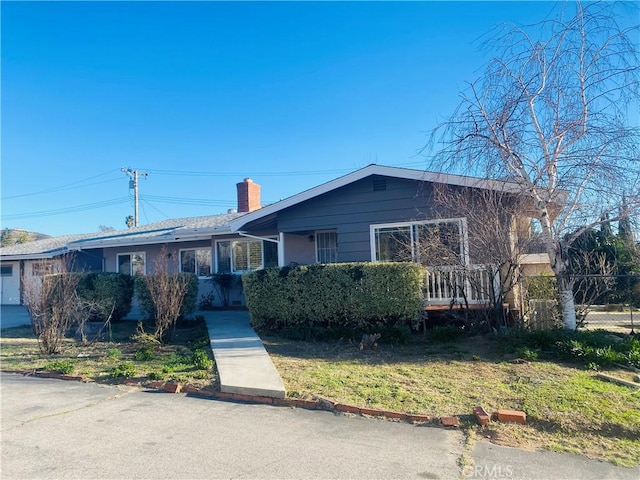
(6, 270)
(131, 263)
(327, 247)
(196, 260)
(270, 254)
(39, 269)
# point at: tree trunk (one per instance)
(559, 267)
(565, 288)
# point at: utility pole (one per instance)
(133, 184)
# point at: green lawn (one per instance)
(116, 353)
(568, 408)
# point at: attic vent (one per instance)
(379, 184)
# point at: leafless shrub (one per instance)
(54, 307)
(167, 291)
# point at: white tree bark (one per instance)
(568, 308)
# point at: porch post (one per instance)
(281, 249)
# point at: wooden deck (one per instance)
(458, 306)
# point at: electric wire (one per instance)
(68, 186)
(61, 211)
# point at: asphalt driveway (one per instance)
(56, 429)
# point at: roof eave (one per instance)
(204, 234)
(405, 173)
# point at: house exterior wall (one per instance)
(298, 249)
(352, 209)
(152, 252)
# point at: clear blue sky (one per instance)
(202, 94)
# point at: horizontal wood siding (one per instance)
(353, 208)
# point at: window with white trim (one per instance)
(196, 260)
(430, 242)
(327, 246)
(131, 263)
(245, 255)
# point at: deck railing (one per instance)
(471, 284)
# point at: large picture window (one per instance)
(196, 260)
(432, 242)
(131, 263)
(237, 256)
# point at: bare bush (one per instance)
(54, 307)
(167, 292)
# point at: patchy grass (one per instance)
(568, 408)
(117, 356)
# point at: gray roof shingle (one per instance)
(153, 232)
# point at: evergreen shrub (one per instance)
(110, 290)
(346, 295)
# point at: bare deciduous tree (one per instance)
(550, 115)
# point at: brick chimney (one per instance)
(248, 196)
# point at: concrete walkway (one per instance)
(244, 366)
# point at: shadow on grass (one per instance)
(418, 349)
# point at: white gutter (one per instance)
(30, 256)
(174, 237)
(273, 240)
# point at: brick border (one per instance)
(318, 403)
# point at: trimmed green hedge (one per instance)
(352, 295)
(147, 306)
(110, 290)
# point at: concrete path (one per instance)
(244, 366)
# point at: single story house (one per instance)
(376, 213)
(24, 262)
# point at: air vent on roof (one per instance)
(379, 184)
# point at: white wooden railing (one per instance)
(470, 284)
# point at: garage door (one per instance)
(10, 283)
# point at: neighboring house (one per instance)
(376, 213)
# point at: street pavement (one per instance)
(61, 429)
(58, 429)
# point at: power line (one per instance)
(188, 201)
(272, 173)
(62, 211)
(68, 186)
(244, 174)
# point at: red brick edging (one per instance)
(319, 403)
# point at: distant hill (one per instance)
(12, 236)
